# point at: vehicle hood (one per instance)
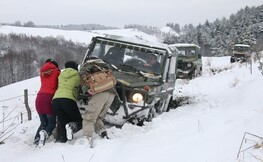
(187, 58)
(240, 53)
(130, 79)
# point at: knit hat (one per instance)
(71, 64)
(52, 61)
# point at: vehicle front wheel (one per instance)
(192, 74)
(232, 60)
(152, 113)
(172, 104)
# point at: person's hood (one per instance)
(68, 73)
(47, 69)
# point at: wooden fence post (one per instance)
(21, 115)
(26, 104)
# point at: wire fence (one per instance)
(15, 115)
(8, 99)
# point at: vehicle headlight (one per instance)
(189, 65)
(137, 97)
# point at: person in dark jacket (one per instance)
(153, 63)
(64, 102)
(49, 73)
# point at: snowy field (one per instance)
(208, 127)
(219, 107)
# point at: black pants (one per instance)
(66, 111)
(47, 123)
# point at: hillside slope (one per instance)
(75, 35)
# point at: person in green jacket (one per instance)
(64, 103)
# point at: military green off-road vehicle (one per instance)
(240, 53)
(189, 60)
(143, 92)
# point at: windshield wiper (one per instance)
(126, 67)
(114, 66)
(130, 68)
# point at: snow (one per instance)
(217, 109)
(242, 45)
(168, 30)
(184, 45)
(75, 36)
(133, 33)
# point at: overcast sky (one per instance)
(119, 12)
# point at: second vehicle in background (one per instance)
(189, 63)
(241, 53)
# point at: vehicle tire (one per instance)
(244, 60)
(152, 113)
(172, 104)
(196, 73)
(201, 71)
(232, 60)
(193, 74)
(137, 121)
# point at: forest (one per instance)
(217, 37)
(21, 56)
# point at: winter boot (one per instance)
(104, 134)
(36, 140)
(70, 127)
(91, 142)
(43, 137)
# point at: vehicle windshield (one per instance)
(241, 48)
(130, 57)
(187, 51)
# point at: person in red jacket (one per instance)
(49, 73)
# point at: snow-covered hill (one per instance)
(75, 36)
(217, 109)
(168, 30)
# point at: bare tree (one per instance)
(10, 63)
(29, 24)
